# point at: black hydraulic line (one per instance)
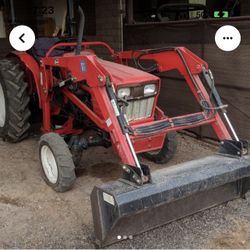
(147, 52)
(153, 128)
(210, 81)
(188, 120)
(160, 50)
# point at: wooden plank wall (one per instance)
(231, 69)
(5, 47)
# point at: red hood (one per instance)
(124, 75)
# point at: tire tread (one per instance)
(166, 153)
(17, 100)
(64, 161)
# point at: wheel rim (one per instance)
(2, 107)
(49, 164)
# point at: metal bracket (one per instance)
(234, 148)
(133, 174)
(66, 82)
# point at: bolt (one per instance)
(138, 181)
(238, 153)
(126, 169)
(100, 78)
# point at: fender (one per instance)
(32, 65)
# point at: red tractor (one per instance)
(77, 91)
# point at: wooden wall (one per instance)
(5, 47)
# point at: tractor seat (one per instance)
(42, 45)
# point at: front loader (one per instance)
(140, 200)
(79, 92)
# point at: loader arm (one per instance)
(190, 67)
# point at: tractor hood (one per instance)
(125, 75)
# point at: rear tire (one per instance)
(14, 101)
(167, 151)
(58, 169)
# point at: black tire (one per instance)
(15, 126)
(64, 163)
(77, 157)
(166, 153)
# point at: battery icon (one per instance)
(221, 14)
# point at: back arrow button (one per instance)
(21, 38)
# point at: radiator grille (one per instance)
(139, 109)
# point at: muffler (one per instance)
(122, 209)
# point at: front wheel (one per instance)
(58, 169)
(166, 153)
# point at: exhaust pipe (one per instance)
(80, 31)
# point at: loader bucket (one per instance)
(122, 210)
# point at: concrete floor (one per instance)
(32, 215)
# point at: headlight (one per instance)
(149, 89)
(123, 92)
